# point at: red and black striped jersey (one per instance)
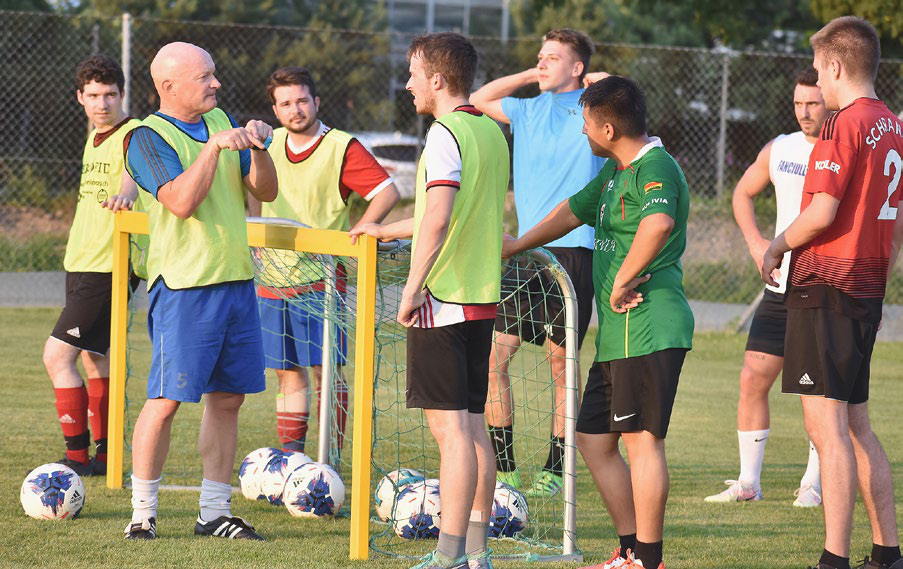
(857, 159)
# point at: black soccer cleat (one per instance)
(80, 468)
(97, 468)
(146, 529)
(228, 527)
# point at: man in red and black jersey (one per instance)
(845, 242)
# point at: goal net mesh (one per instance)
(326, 287)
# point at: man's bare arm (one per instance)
(558, 223)
(810, 223)
(754, 181)
(380, 206)
(182, 195)
(261, 180)
(651, 237)
(488, 98)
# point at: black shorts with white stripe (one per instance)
(828, 354)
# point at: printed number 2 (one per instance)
(892, 159)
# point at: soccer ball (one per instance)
(417, 511)
(52, 492)
(509, 512)
(252, 470)
(314, 490)
(389, 487)
(276, 471)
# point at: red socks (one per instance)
(340, 412)
(72, 409)
(98, 413)
(292, 430)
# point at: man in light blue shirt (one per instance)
(552, 161)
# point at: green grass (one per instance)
(43, 252)
(701, 451)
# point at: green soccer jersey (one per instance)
(615, 202)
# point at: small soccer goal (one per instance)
(355, 290)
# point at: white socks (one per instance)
(216, 500)
(144, 499)
(812, 477)
(752, 452)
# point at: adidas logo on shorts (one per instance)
(806, 380)
(74, 332)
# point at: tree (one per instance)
(885, 15)
(347, 14)
(700, 23)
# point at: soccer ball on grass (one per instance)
(52, 492)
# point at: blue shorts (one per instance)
(293, 331)
(204, 339)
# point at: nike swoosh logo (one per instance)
(760, 440)
(624, 417)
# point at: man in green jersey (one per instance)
(84, 324)
(638, 205)
(449, 302)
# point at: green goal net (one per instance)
(325, 286)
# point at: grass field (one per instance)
(701, 450)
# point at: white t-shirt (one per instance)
(442, 156)
(787, 168)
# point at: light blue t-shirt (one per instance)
(552, 159)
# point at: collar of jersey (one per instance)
(654, 142)
(288, 140)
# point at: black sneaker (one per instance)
(228, 527)
(98, 468)
(80, 468)
(146, 529)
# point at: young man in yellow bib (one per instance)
(84, 324)
(196, 162)
(319, 168)
(451, 297)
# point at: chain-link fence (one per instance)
(713, 109)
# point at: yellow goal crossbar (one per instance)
(315, 241)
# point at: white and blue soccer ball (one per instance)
(389, 488)
(314, 490)
(253, 469)
(276, 471)
(509, 514)
(418, 511)
(52, 492)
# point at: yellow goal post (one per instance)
(315, 241)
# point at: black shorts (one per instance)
(632, 394)
(85, 320)
(769, 326)
(533, 309)
(828, 354)
(448, 366)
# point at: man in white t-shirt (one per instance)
(782, 162)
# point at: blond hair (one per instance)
(853, 42)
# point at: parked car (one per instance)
(397, 153)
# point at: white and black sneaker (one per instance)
(228, 527)
(145, 529)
